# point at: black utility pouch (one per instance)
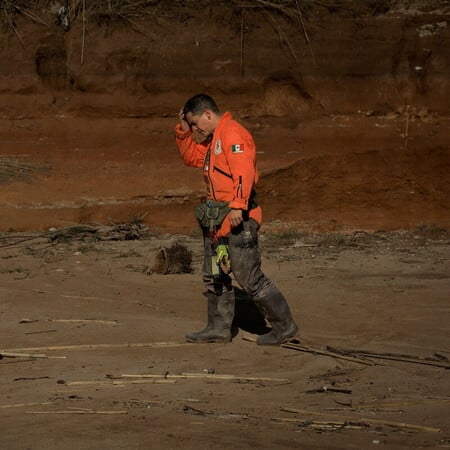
(211, 213)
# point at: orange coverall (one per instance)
(229, 165)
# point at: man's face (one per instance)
(201, 123)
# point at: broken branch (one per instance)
(206, 375)
(20, 355)
(318, 351)
(387, 423)
(102, 346)
(412, 359)
(77, 412)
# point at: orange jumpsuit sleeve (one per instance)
(241, 155)
(193, 154)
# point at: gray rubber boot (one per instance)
(276, 310)
(220, 318)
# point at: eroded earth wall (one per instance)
(353, 57)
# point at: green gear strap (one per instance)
(221, 252)
(223, 259)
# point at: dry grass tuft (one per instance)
(12, 170)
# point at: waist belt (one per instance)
(211, 213)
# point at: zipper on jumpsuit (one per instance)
(239, 188)
(206, 169)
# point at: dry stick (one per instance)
(186, 375)
(75, 229)
(76, 412)
(317, 351)
(418, 361)
(394, 357)
(29, 238)
(157, 403)
(275, 6)
(407, 128)
(31, 15)
(21, 355)
(365, 420)
(148, 305)
(124, 382)
(103, 346)
(282, 36)
(32, 378)
(81, 297)
(117, 382)
(400, 404)
(242, 42)
(14, 29)
(136, 27)
(231, 377)
(84, 31)
(40, 332)
(78, 408)
(21, 405)
(305, 32)
(441, 357)
(109, 322)
(11, 244)
(328, 389)
(320, 424)
(308, 349)
(64, 232)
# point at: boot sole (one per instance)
(285, 339)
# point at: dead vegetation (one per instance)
(15, 170)
(115, 232)
(131, 12)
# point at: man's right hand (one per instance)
(183, 122)
(236, 217)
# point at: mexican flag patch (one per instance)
(237, 148)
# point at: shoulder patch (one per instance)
(237, 148)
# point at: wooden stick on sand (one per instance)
(380, 422)
(186, 375)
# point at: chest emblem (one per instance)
(218, 147)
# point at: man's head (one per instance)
(202, 114)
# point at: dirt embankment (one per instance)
(374, 188)
(93, 100)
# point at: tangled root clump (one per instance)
(172, 260)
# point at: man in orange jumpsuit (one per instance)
(227, 157)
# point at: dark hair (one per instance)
(198, 103)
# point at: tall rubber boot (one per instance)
(220, 318)
(276, 310)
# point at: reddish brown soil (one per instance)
(352, 134)
(358, 176)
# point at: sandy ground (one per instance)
(97, 312)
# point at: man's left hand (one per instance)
(235, 217)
